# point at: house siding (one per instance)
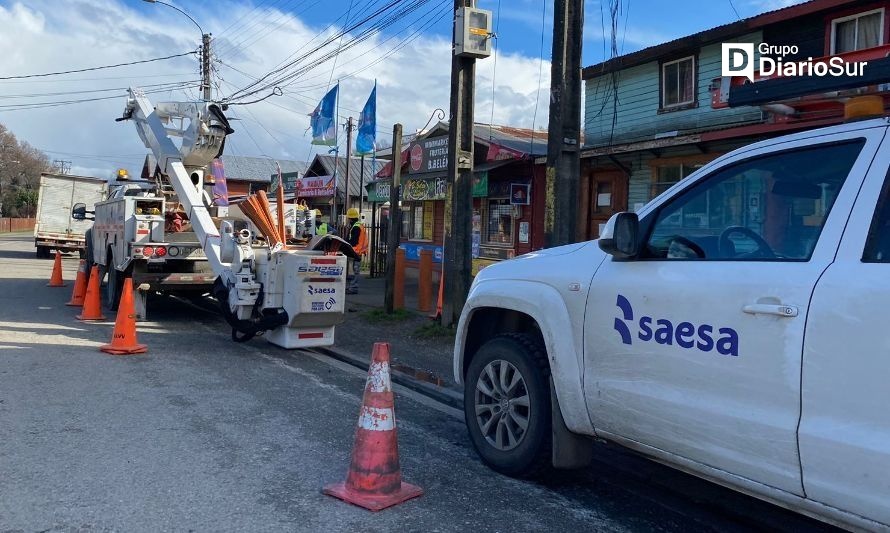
(638, 117)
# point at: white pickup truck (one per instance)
(733, 328)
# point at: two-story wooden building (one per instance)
(656, 115)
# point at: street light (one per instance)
(205, 48)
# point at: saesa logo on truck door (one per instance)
(685, 334)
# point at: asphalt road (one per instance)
(202, 434)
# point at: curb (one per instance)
(447, 396)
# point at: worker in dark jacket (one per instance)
(358, 239)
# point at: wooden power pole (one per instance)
(205, 67)
(459, 195)
(564, 137)
(395, 216)
(348, 160)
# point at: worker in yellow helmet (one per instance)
(358, 238)
(321, 228)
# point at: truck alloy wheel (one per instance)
(507, 405)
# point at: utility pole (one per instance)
(563, 143)
(205, 67)
(348, 160)
(459, 192)
(395, 215)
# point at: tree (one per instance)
(20, 168)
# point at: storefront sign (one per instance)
(290, 181)
(480, 184)
(412, 251)
(495, 252)
(315, 186)
(424, 189)
(379, 191)
(428, 155)
(520, 194)
(523, 232)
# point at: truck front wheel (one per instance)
(507, 405)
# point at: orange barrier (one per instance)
(92, 302)
(55, 280)
(425, 282)
(374, 480)
(123, 339)
(80, 285)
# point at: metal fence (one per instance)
(8, 225)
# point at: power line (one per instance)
(44, 105)
(540, 73)
(91, 91)
(734, 10)
(96, 68)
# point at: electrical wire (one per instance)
(494, 72)
(45, 105)
(540, 73)
(97, 68)
(284, 75)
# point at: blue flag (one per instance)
(323, 121)
(367, 126)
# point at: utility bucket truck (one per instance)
(294, 296)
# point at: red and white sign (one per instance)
(416, 157)
(315, 186)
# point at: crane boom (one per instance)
(295, 295)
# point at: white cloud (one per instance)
(47, 36)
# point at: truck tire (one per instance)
(115, 285)
(43, 252)
(507, 405)
(88, 251)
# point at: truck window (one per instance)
(877, 246)
(767, 208)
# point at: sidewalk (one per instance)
(418, 346)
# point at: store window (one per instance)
(417, 221)
(857, 32)
(499, 222)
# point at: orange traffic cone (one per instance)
(123, 340)
(80, 285)
(55, 280)
(92, 303)
(374, 480)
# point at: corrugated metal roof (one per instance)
(323, 165)
(258, 169)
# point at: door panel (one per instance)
(695, 348)
(606, 195)
(845, 423)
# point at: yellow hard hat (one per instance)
(352, 213)
(318, 212)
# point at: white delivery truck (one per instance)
(55, 229)
(735, 328)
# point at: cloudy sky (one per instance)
(71, 116)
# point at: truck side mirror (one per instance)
(79, 211)
(620, 236)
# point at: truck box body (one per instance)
(55, 228)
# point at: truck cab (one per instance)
(730, 328)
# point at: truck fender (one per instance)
(562, 338)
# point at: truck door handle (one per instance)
(787, 311)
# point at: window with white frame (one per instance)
(678, 82)
(857, 32)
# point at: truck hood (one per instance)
(547, 265)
